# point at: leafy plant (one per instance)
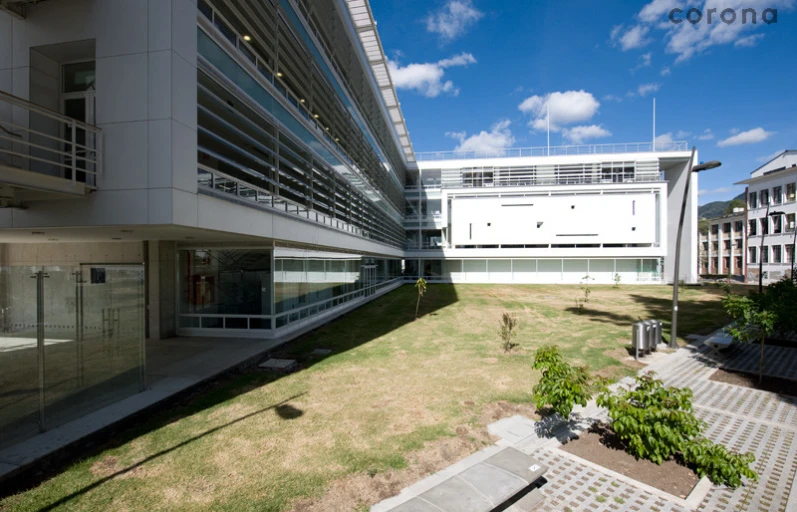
(585, 287)
(580, 301)
(562, 386)
(420, 284)
(720, 465)
(654, 421)
(617, 279)
(507, 331)
(750, 323)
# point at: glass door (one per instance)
(78, 102)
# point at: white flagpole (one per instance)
(654, 124)
(549, 130)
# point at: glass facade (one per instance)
(265, 289)
(533, 270)
(71, 342)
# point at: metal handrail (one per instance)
(583, 149)
(78, 158)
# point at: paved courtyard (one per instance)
(742, 419)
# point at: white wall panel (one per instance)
(560, 220)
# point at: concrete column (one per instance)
(676, 177)
(161, 285)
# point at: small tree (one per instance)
(420, 284)
(617, 279)
(580, 301)
(507, 331)
(655, 422)
(751, 323)
(562, 386)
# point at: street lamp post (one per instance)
(793, 252)
(761, 249)
(697, 168)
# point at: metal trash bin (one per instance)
(650, 335)
(656, 334)
(638, 338)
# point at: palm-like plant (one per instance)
(420, 284)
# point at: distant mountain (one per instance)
(716, 208)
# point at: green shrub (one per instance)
(654, 421)
(720, 465)
(562, 386)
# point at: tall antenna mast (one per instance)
(549, 130)
(654, 124)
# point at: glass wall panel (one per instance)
(549, 270)
(475, 265)
(72, 342)
(225, 281)
(524, 266)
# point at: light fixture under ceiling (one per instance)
(247, 38)
(279, 74)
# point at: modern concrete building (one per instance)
(722, 246)
(771, 209)
(551, 215)
(242, 168)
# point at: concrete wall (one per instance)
(145, 104)
(676, 176)
(572, 219)
(161, 289)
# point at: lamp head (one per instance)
(713, 164)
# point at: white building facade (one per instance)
(722, 248)
(604, 212)
(771, 210)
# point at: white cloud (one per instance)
(579, 134)
(706, 135)
(612, 97)
(635, 37)
(753, 136)
(463, 59)
(644, 61)
(749, 41)
(567, 107)
(664, 140)
(721, 190)
(665, 71)
(681, 134)
(687, 39)
(453, 19)
(492, 143)
(427, 78)
(645, 89)
(657, 10)
(765, 159)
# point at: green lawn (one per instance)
(396, 400)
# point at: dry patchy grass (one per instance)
(397, 400)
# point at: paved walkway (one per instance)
(742, 419)
(173, 365)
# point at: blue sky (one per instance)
(482, 74)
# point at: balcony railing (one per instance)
(211, 179)
(585, 149)
(52, 144)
